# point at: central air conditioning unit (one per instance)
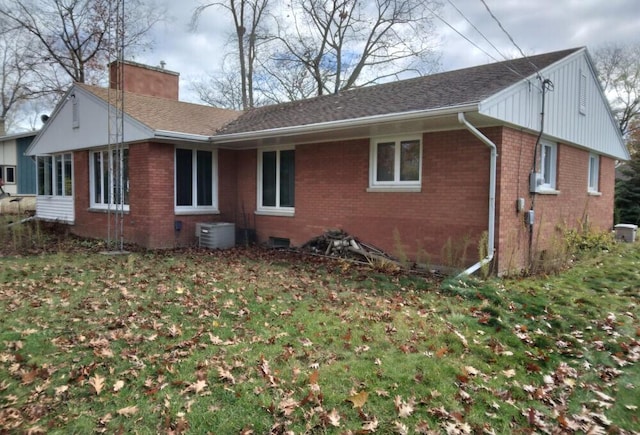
(216, 235)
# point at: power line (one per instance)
(477, 30)
(509, 67)
(510, 37)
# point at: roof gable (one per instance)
(576, 110)
(146, 118)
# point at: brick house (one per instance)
(455, 167)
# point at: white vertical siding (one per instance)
(594, 129)
(54, 208)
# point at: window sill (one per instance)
(594, 193)
(196, 212)
(398, 189)
(548, 192)
(282, 213)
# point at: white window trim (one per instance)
(396, 185)
(5, 178)
(551, 185)
(269, 210)
(54, 176)
(196, 209)
(100, 206)
(590, 177)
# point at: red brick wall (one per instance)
(331, 192)
(146, 80)
(151, 219)
(571, 207)
(447, 216)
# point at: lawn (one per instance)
(258, 341)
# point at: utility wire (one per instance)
(477, 30)
(506, 65)
(510, 38)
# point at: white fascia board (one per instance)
(342, 124)
(174, 135)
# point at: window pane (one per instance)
(106, 186)
(44, 175)
(385, 161)
(269, 179)
(125, 174)
(184, 177)
(68, 183)
(287, 178)
(59, 175)
(205, 177)
(97, 179)
(410, 160)
(10, 174)
(546, 163)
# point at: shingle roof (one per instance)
(443, 90)
(170, 115)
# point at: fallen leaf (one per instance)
(358, 399)
(313, 377)
(128, 411)
(118, 385)
(405, 409)
(400, 428)
(333, 418)
(370, 426)
(509, 373)
(97, 382)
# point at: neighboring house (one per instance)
(429, 168)
(16, 169)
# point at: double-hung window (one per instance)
(196, 177)
(594, 172)
(109, 178)
(276, 180)
(548, 165)
(55, 175)
(395, 163)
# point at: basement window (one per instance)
(395, 164)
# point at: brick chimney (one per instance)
(145, 79)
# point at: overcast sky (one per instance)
(537, 26)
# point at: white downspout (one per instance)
(492, 195)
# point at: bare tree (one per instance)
(75, 36)
(351, 43)
(248, 16)
(619, 70)
(17, 80)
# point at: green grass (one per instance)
(263, 341)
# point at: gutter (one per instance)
(165, 134)
(340, 124)
(492, 196)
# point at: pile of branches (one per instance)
(337, 243)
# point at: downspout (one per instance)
(492, 196)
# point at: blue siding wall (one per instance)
(26, 170)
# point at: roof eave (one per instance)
(174, 135)
(342, 124)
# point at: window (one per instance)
(109, 185)
(55, 175)
(276, 180)
(582, 98)
(8, 174)
(594, 171)
(395, 163)
(196, 180)
(548, 160)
